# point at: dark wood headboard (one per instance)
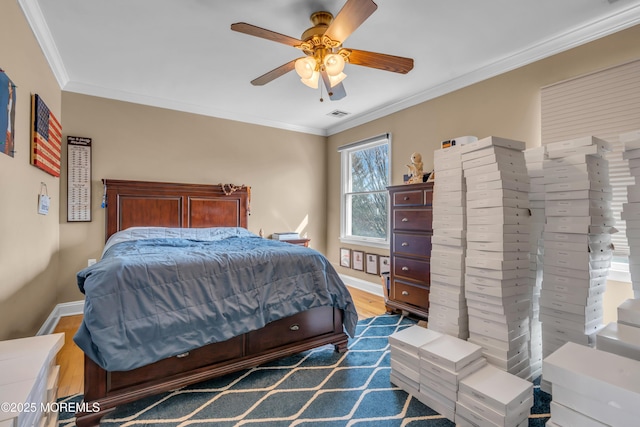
(164, 204)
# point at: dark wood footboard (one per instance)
(304, 331)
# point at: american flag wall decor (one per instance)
(46, 137)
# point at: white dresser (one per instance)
(29, 380)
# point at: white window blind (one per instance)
(604, 104)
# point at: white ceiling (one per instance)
(182, 55)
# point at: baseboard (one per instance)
(60, 310)
(363, 285)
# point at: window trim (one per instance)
(344, 151)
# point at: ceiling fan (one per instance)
(322, 44)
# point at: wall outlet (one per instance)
(91, 262)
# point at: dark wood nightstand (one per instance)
(299, 242)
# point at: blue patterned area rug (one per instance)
(315, 388)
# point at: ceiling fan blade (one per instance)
(335, 93)
(396, 64)
(252, 30)
(350, 17)
(274, 74)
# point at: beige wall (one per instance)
(295, 177)
(28, 241)
(507, 105)
(286, 170)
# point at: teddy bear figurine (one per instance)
(416, 173)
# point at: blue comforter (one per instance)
(154, 298)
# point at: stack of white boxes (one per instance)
(405, 358)
(631, 210)
(577, 241)
(535, 160)
(592, 387)
(492, 397)
(447, 305)
(443, 363)
(497, 280)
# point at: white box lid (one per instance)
(413, 337)
(450, 352)
(496, 388)
(596, 374)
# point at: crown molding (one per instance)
(568, 40)
(92, 90)
(35, 18)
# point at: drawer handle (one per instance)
(405, 198)
(294, 327)
(181, 355)
(405, 219)
(405, 268)
(405, 244)
(405, 293)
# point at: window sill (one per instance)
(363, 242)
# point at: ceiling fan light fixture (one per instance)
(333, 64)
(305, 67)
(312, 81)
(334, 80)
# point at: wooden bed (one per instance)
(137, 203)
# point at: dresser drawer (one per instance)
(408, 198)
(411, 269)
(411, 294)
(308, 324)
(412, 219)
(412, 244)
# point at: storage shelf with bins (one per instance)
(411, 231)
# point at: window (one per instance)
(364, 205)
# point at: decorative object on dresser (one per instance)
(194, 206)
(416, 172)
(411, 217)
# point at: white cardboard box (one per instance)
(483, 341)
(615, 382)
(629, 313)
(437, 402)
(412, 338)
(450, 353)
(452, 377)
(493, 141)
(579, 142)
(508, 420)
(411, 373)
(491, 151)
(605, 412)
(499, 201)
(497, 274)
(497, 389)
(568, 417)
(620, 339)
(498, 246)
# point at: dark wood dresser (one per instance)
(411, 233)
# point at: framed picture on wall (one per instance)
(385, 265)
(345, 257)
(357, 262)
(372, 264)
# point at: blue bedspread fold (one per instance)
(154, 298)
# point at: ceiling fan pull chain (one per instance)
(321, 99)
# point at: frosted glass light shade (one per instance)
(334, 80)
(305, 67)
(333, 64)
(312, 82)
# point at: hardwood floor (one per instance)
(70, 357)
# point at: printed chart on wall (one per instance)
(79, 179)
